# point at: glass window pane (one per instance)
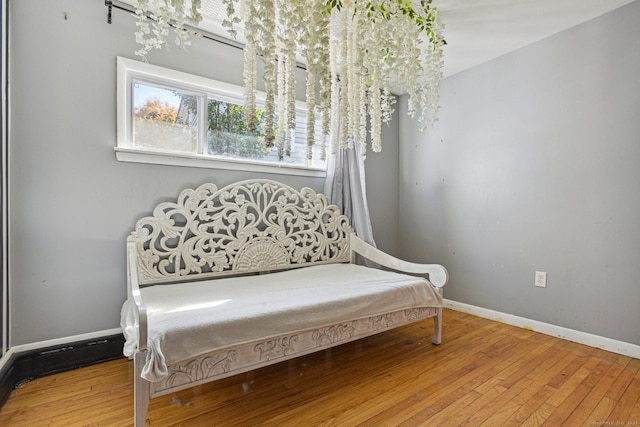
(165, 119)
(228, 135)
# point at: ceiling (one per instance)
(480, 30)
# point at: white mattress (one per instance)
(189, 319)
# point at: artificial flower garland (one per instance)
(152, 33)
(355, 52)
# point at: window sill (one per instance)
(192, 160)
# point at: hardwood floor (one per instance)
(484, 374)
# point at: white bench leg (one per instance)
(437, 323)
(140, 391)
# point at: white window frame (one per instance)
(129, 70)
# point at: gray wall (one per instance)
(381, 171)
(535, 165)
(72, 204)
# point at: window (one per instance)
(174, 118)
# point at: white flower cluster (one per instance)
(355, 52)
(185, 15)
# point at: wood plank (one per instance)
(501, 416)
(488, 383)
(493, 407)
(633, 392)
(467, 412)
(601, 412)
(533, 399)
(591, 401)
(626, 402)
(440, 397)
(540, 416)
(564, 411)
(568, 387)
(386, 393)
(447, 415)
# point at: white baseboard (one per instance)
(608, 344)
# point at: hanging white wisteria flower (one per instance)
(155, 17)
(354, 52)
(253, 35)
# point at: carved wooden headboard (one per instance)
(248, 227)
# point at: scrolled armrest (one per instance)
(438, 275)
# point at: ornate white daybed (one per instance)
(228, 280)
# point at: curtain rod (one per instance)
(115, 4)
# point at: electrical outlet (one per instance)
(541, 279)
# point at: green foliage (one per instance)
(229, 133)
(235, 145)
(421, 15)
(226, 117)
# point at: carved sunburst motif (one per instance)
(261, 253)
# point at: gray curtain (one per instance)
(345, 186)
